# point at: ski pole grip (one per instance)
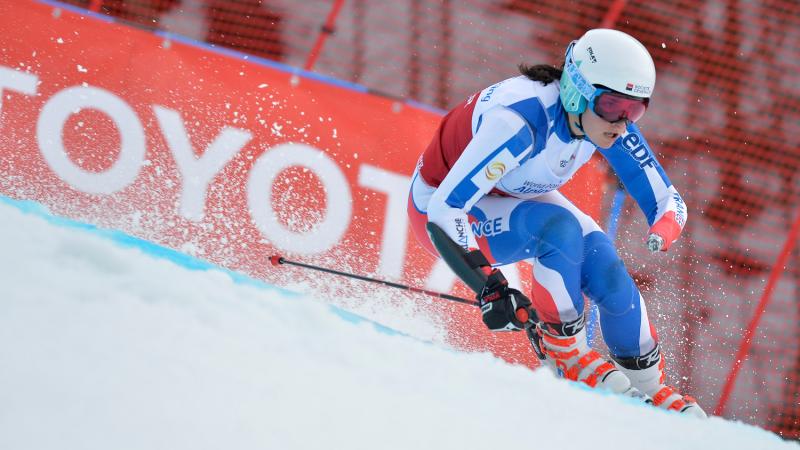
(276, 260)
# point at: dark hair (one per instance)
(544, 73)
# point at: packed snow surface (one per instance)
(108, 344)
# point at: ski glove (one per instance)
(503, 308)
(663, 233)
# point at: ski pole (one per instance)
(277, 260)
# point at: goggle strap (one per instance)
(581, 84)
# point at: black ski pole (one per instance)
(277, 260)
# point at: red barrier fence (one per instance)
(724, 120)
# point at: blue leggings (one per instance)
(571, 256)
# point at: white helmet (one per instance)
(607, 58)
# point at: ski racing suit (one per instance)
(490, 180)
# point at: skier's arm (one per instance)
(501, 142)
(646, 181)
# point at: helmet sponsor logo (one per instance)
(592, 58)
(495, 170)
(638, 89)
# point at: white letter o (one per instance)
(51, 123)
(323, 235)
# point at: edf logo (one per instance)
(634, 145)
(489, 228)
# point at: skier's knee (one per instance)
(615, 284)
(561, 229)
(605, 277)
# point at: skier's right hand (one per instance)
(503, 308)
(664, 232)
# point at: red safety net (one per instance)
(723, 120)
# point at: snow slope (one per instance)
(107, 342)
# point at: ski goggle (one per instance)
(612, 106)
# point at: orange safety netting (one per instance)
(724, 121)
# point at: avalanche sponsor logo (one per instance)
(495, 170)
(461, 233)
(488, 228)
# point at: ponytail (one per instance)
(543, 73)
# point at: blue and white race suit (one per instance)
(490, 180)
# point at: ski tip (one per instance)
(276, 260)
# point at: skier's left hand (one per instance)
(663, 233)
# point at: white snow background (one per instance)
(107, 342)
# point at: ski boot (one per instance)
(564, 349)
(646, 373)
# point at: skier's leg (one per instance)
(551, 238)
(630, 337)
(623, 315)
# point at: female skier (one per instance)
(489, 180)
